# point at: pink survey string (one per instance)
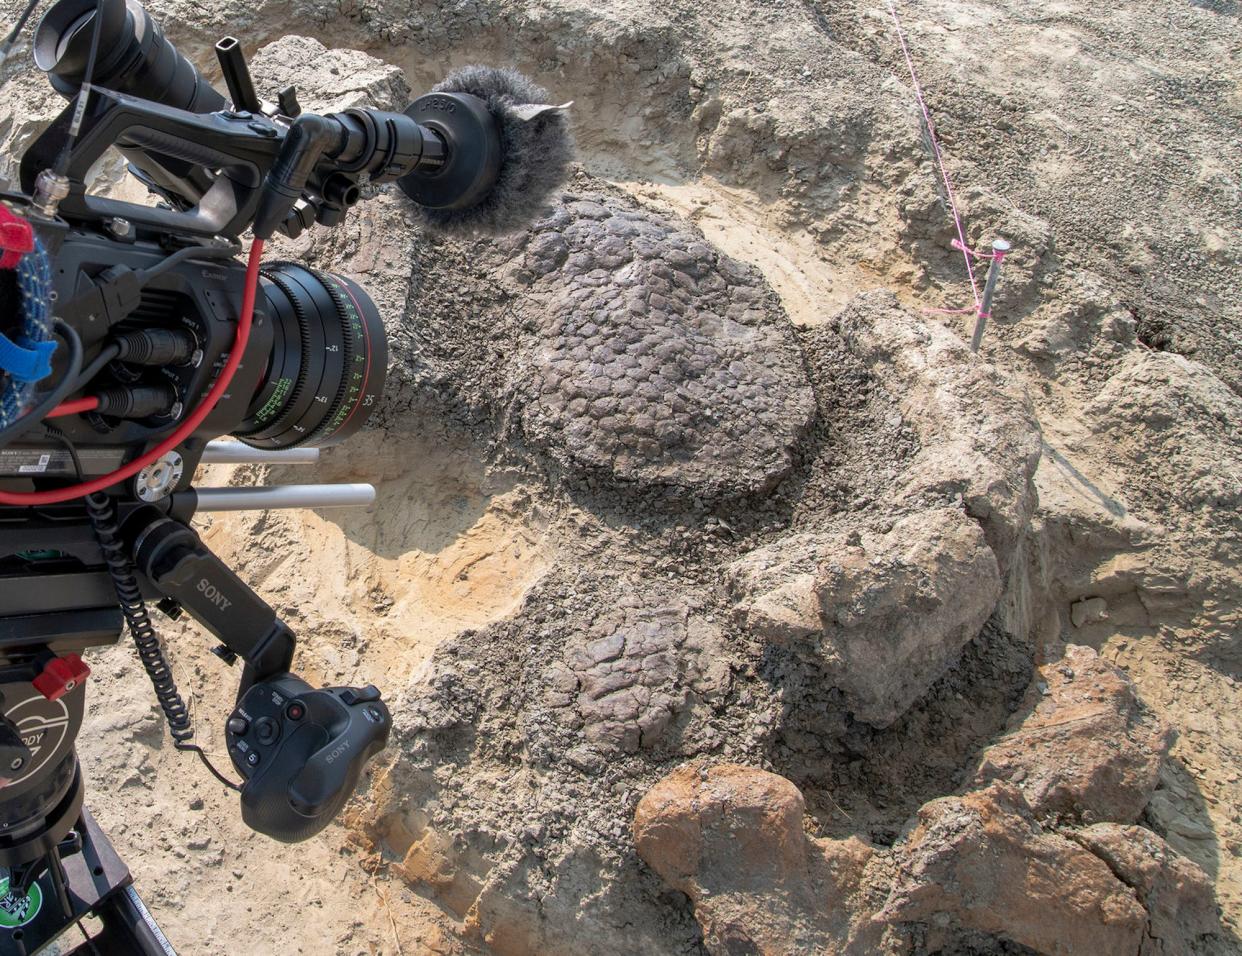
(960, 242)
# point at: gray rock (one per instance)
(1088, 611)
(884, 617)
(977, 431)
(654, 362)
(626, 680)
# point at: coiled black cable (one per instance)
(129, 596)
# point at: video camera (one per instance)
(157, 340)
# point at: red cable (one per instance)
(75, 407)
(185, 429)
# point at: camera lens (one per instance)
(329, 357)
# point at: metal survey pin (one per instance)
(999, 250)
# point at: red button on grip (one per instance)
(61, 675)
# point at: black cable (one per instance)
(84, 376)
(67, 385)
(103, 518)
(103, 358)
(190, 252)
(17, 29)
(56, 435)
(84, 94)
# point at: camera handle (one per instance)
(300, 750)
(175, 561)
(241, 145)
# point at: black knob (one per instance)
(266, 730)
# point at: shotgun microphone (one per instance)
(507, 151)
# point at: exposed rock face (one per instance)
(977, 432)
(884, 614)
(329, 80)
(981, 862)
(731, 838)
(1086, 750)
(974, 873)
(658, 360)
(884, 600)
(1189, 422)
(1177, 433)
(1177, 894)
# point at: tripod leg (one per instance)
(57, 871)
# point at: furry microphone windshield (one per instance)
(508, 151)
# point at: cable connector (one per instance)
(156, 347)
(141, 401)
(50, 188)
(117, 292)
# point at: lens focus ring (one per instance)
(329, 358)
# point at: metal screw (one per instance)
(121, 228)
(999, 248)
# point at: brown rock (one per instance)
(731, 838)
(433, 861)
(1180, 902)
(983, 863)
(1087, 749)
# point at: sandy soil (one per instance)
(1105, 142)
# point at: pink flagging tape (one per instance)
(997, 254)
(960, 242)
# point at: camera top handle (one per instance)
(240, 147)
(260, 165)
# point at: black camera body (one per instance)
(313, 371)
(195, 303)
(166, 341)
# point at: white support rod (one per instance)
(285, 496)
(225, 451)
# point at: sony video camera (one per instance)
(134, 337)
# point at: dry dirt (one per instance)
(565, 618)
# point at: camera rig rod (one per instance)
(283, 496)
(225, 452)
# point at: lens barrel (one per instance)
(134, 56)
(329, 359)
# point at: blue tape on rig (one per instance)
(29, 359)
(26, 364)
